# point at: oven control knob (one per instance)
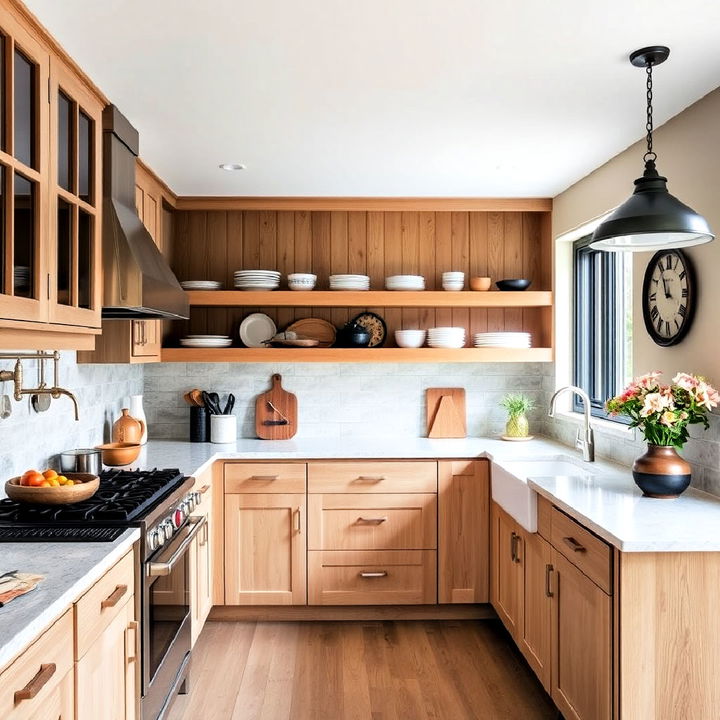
(197, 498)
(188, 504)
(166, 531)
(153, 540)
(178, 517)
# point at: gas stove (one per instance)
(151, 499)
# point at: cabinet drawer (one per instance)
(583, 549)
(39, 672)
(384, 577)
(265, 477)
(97, 608)
(372, 477)
(373, 522)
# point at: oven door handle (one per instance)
(156, 569)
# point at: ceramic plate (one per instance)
(256, 330)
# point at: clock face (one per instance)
(668, 297)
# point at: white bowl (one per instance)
(302, 277)
(294, 285)
(453, 286)
(453, 275)
(410, 338)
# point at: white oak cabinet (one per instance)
(201, 559)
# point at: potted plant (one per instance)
(663, 413)
(517, 406)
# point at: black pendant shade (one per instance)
(651, 218)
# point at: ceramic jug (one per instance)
(127, 429)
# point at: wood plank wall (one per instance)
(213, 244)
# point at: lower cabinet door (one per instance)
(582, 644)
(106, 674)
(201, 585)
(265, 549)
(534, 632)
(506, 577)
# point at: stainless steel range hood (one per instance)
(138, 282)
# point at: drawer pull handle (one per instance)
(132, 647)
(114, 598)
(514, 541)
(264, 478)
(370, 478)
(378, 574)
(371, 521)
(574, 545)
(204, 489)
(298, 522)
(548, 574)
(36, 684)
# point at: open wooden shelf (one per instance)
(368, 298)
(334, 355)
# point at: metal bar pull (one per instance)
(36, 684)
(165, 567)
(377, 574)
(264, 478)
(370, 478)
(114, 598)
(548, 574)
(574, 545)
(371, 520)
(298, 521)
(513, 546)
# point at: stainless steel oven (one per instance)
(166, 619)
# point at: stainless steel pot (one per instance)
(87, 460)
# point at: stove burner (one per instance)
(124, 496)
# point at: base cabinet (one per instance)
(201, 563)
(506, 589)
(265, 549)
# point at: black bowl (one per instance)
(513, 284)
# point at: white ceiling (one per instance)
(386, 97)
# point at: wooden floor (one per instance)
(411, 670)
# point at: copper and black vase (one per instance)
(661, 472)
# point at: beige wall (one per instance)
(688, 148)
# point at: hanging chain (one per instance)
(649, 155)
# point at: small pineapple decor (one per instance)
(517, 406)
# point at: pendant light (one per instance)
(651, 218)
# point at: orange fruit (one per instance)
(33, 480)
(45, 483)
(49, 474)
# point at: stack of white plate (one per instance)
(257, 279)
(405, 282)
(453, 281)
(21, 276)
(201, 285)
(503, 339)
(206, 341)
(349, 282)
(446, 337)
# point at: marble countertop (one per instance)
(70, 569)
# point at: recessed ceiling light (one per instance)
(230, 167)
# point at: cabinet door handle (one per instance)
(369, 478)
(298, 521)
(574, 545)
(114, 598)
(371, 521)
(264, 478)
(548, 574)
(132, 627)
(204, 537)
(512, 546)
(376, 574)
(204, 489)
(36, 684)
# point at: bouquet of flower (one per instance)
(663, 412)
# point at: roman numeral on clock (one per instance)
(654, 312)
(682, 310)
(653, 297)
(684, 292)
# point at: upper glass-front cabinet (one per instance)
(75, 200)
(50, 194)
(24, 157)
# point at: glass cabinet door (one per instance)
(75, 201)
(24, 67)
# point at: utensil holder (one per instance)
(223, 429)
(198, 424)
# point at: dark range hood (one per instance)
(138, 282)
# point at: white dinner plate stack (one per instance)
(405, 282)
(503, 340)
(446, 337)
(349, 282)
(257, 279)
(201, 285)
(206, 341)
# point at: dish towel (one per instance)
(16, 585)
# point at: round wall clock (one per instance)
(668, 298)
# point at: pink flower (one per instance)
(685, 381)
(654, 403)
(649, 380)
(706, 395)
(668, 418)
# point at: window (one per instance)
(602, 352)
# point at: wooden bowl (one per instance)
(119, 453)
(63, 495)
(480, 284)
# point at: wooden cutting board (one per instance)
(276, 412)
(445, 412)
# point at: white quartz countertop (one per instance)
(70, 569)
